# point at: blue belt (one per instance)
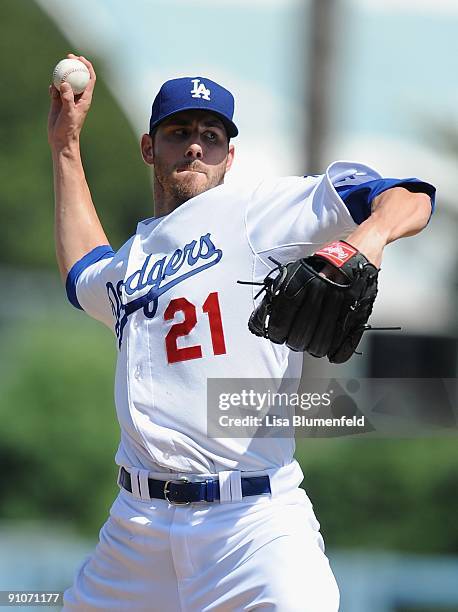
(182, 492)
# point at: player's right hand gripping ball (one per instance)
(71, 71)
(312, 313)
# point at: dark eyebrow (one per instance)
(187, 122)
(214, 123)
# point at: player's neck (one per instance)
(163, 205)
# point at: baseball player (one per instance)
(205, 523)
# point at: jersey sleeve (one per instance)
(299, 214)
(86, 284)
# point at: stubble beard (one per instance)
(178, 191)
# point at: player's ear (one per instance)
(146, 146)
(230, 157)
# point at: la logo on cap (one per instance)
(200, 91)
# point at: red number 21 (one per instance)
(211, 308)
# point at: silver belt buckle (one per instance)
(166, 491)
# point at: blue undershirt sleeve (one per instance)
(358, 198)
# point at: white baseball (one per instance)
(71, 71)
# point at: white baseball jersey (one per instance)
(170, 295)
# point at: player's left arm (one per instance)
(395, 213)
(328, 316)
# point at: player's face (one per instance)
(190, 154)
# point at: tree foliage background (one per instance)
(30, 45)
(59, 430)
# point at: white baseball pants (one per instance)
(263, 552)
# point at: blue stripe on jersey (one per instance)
(358, 198)
(97, 254)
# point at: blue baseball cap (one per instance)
(189, 93)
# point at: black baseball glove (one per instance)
(312, 313)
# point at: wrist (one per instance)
(69, 150)
(370, 239)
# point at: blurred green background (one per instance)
(59, 431)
